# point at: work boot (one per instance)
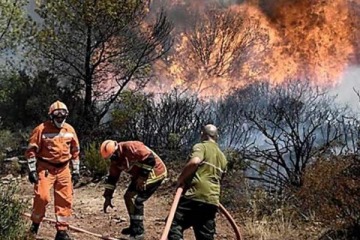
(31, 234)
(62, 235)
(126, 231)
(34, 228)
(137, 237)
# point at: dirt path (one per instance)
(88, 214)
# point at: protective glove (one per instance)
(107, 203)
(75, 177)
(33, 177)
(140, 184)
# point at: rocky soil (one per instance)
(88, 214)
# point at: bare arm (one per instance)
(189, 169)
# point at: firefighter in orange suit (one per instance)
(53, 146)
(147, 171)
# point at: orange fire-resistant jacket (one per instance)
(53, 148)
(132, 156)
(53, 145)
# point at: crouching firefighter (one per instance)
(147, 172)
(53, 146)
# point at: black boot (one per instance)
(31, 234)
(126, 231)
(137, 237)
(62, 235)
(34, 228)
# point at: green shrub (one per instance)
(12, 224)
(93, 161)
(7, 140)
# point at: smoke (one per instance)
(345, 89)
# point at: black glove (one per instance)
(33, 177)
(75, 177)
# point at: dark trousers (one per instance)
(200, 216)
(134, 201)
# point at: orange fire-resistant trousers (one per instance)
(59, 179)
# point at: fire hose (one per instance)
(78, 229)
(231, 221)
(172, 214)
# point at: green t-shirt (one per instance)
(205, 184)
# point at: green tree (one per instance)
(25, 100)
(13, 21)
(100, 47)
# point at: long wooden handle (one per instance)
(77, 229)
(231, 221)
(171, 214)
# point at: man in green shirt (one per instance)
(200, 179)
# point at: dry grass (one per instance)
(265, 218)
(275, 226)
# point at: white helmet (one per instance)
(58, 113)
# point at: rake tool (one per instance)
(78, 229)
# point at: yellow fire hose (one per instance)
(172, 214)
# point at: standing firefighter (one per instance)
(200, 179)
(52, 146)
(147, 171)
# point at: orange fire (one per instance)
(219, 47)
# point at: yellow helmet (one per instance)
(58, 106)
(107, 148)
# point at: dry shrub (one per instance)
(331, 191)
(270, 217)
(233, 184)
(275, 226)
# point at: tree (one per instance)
(290, 126)
(12, 23)
(171, 121)
(216, 47)
(100, 48)
(25, 100)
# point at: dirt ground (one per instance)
(88, 214)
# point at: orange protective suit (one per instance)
(134, 157)
(53, 149)
(132, 154)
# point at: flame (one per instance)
(314, 36)
(304, 39)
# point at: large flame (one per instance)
(221, 45)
